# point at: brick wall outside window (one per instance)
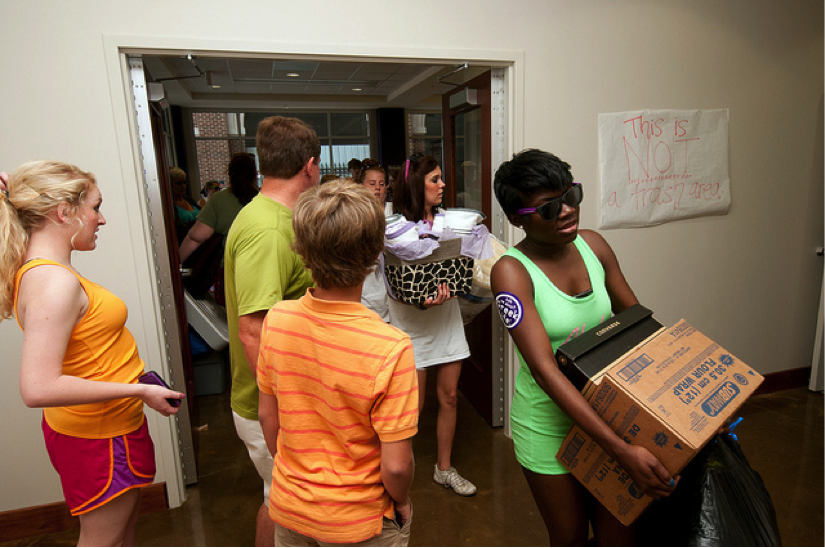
(214, 154)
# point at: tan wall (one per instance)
(749, 279)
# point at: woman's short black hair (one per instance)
(529, 171)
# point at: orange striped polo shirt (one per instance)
(345, 382)
(100, 348)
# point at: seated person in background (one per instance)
(327, 178)
(185, 208)
(341, 436)
(214, 222)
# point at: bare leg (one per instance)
(113, 524)
(447, 389)
(422, 388)
(264, 528)
(609, 531)
(562, 502)
(130, 527)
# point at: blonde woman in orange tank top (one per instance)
(79, 362)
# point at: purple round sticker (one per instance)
(510, 309)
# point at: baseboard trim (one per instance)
(55, 518)
(784, 380)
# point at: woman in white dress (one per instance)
(435, 326)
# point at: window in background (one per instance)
(218, 135)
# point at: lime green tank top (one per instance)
(538, 424)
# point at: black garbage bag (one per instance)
(720, 501)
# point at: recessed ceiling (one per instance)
(213, 82)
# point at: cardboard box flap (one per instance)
(587, 341)
(687, 380)
(593, 384)
(587, 356)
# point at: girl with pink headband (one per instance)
(435, 327)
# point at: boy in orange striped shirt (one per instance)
(339, 394)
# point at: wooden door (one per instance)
(174, 259)
(468, 174)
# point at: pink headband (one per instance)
(407, 171)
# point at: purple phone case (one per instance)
(150, 377)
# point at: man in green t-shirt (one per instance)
(260, 270)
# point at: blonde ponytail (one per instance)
(34, 190)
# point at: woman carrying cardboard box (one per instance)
(553, 285)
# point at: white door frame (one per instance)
(817, 381)
(137, 184)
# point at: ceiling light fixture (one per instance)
(356, 89)
(293, 74)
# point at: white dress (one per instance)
(437, 333)
(374, 293)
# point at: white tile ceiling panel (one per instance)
(250, 68)
(289, 89)
(325, 89)
(244, 88)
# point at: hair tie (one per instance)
(407, 171)
(4, 179)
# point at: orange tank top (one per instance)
(100, 349)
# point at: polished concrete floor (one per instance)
(781, 435)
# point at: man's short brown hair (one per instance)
(339, 232)
(285, 145)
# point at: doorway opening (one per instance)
(241, 94)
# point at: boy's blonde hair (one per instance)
(339, 232)
(35, 189)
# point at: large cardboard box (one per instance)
(670, 395)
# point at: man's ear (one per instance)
(308, 166)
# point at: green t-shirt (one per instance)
(220, 210)
(260, 269)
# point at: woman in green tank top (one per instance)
(553, 285)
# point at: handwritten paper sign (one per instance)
(658, 166)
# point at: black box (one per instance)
(584, 357)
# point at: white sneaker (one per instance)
(451, 478)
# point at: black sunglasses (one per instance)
(551, 209)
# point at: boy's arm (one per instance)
(397, 468)
(268, 417)
(396, 411)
